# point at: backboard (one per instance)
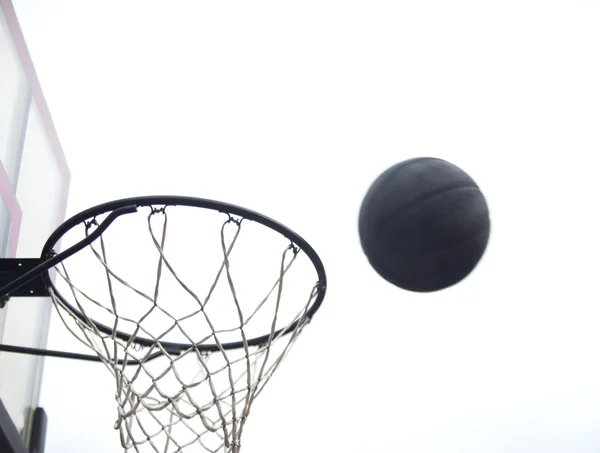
(34, 181)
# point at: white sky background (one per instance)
(293, 109)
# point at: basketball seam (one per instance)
(408, 207)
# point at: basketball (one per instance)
(424, 224)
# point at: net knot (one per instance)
(232, 219)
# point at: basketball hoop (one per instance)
(191, 304)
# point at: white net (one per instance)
(182, 275)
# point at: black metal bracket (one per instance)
(25, 277)
(39, 427)
(28, 277)
(12, 269)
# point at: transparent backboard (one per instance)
(33, 188)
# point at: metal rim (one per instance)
(167, 200)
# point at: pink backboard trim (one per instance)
(36, 90)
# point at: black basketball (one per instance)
(424, 224)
